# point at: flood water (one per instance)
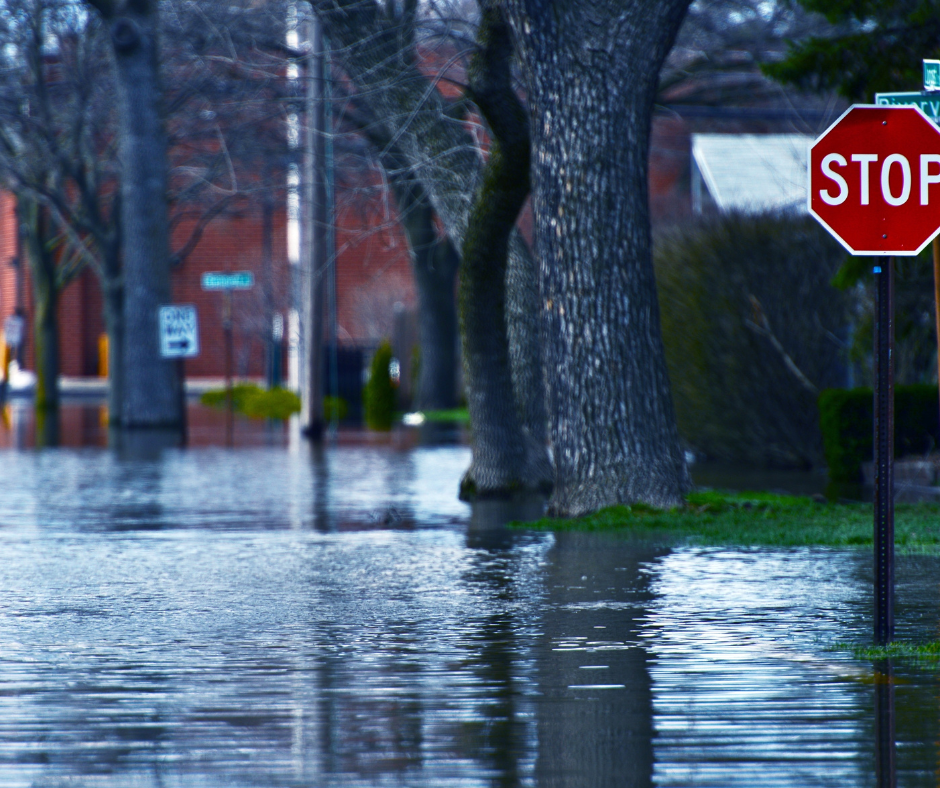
(268, 615)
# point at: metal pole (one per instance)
(229, 401)
(315, 254)
(884, 453)
(181, 372)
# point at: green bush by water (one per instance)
(379, 393)
(216, 398)
(256, 402)
(846, 421)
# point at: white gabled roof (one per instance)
(753, 172)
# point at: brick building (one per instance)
(372, 277)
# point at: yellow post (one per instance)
(103, 356)
(4, 357)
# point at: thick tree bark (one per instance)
(499, 449)
(378, 55)
(151, 384)
(591, 72)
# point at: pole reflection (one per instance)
(885, 735)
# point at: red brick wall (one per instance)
(373, 269)
(7, 254)
(232, 243)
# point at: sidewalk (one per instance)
(97, 388)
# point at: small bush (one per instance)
(334, 409)
(271, 404)
(240, 392)
(256, 402)
(847, 423)
(379, 394)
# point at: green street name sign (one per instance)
(928, 102)
(238, 280)
(932, 75)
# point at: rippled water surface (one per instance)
(276, 617)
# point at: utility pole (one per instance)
(315, 234)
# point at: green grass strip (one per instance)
(918, 652)
(458, 415)
(762, 519)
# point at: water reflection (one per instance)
(886, 768)
(596, 712)
(336, 616)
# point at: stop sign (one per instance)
(874, 180)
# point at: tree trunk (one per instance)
(378, 54)
(151, 386)
(591, 73)
(499, 448)
(42, 270)
(434, 263)
(435, 269)
(114, 325)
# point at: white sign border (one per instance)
(809, 182)
(195, 348)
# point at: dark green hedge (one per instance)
(379, 393)
(846, 420)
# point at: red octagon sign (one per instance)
(874, 180)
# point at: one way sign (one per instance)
(179, 331)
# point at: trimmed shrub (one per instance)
(379, 394)
(240, 392)
(256, 402)
(847, 423)
(274, 403)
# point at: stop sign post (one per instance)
(874, 184)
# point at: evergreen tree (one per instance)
(875, 46)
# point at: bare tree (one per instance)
(58, 139)
(55, 155)
(375, 44)
(721, 46)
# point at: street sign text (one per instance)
(179, 331)
(237, 280)
(875, 180)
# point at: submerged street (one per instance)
(273, 616)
